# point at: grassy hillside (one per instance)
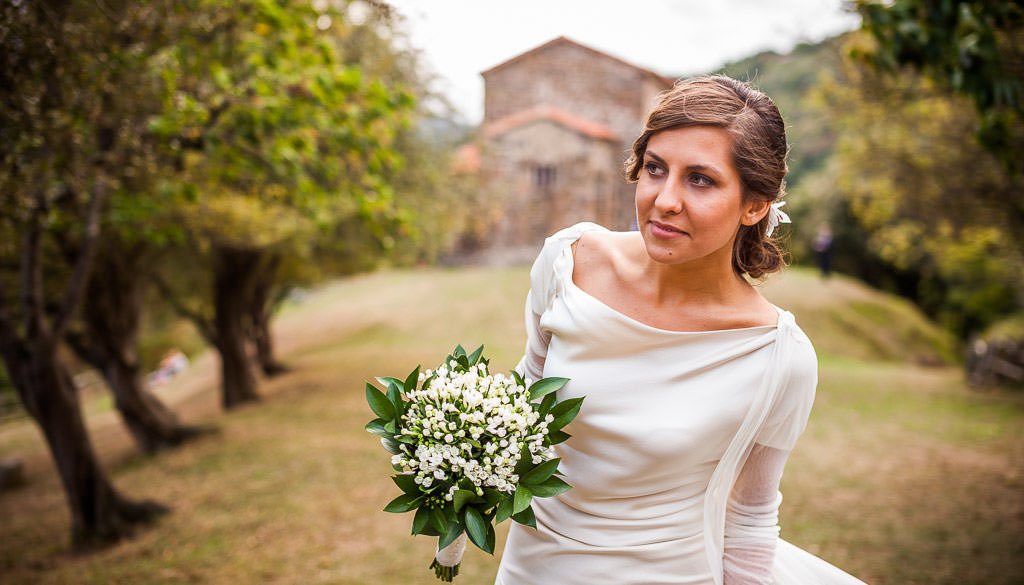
(903, 477)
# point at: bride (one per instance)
(696, 386)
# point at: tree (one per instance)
(975, 48)
(62, 67)
(932, 200)
(107, 339)
(272, 135)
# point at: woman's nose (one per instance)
(670, 197)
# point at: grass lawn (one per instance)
(905, 476)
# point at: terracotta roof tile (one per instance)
(580, 124)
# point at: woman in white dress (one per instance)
(696, 386)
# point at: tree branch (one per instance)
(78, 342)
(32, 316)
(84, 265)
(203, 324)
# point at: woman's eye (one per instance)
(702, 180)
(652, 169)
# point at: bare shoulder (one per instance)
(600, 257)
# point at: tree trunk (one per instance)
(112, 309)
(261, 309)
(235, 271)
(99, 513)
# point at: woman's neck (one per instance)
(706, 281)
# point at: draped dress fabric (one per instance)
(667, 421)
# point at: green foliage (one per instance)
(973, 47)
(264, 116)
(931, 200)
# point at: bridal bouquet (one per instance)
(471, 449)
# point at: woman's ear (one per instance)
(756, 209)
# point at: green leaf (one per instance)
(522, 499)
(525, 463)
(379, 403)
(406, 483)
(540, 473)
(461, 497)
(504, 510)
(557, 437)
(491, 497)
(519, 379)
(449, 536)
(526, 517)
(390, 427)
(473, 442)
(406, 439)
(463, 361)
(449, 513)
(551, 487)
(566, 414)
(476, 528)
(475, 356)
(438, 521)
(546, 386)
(376, 426)
(459, 352)
(391, 445)
(546, 404)
(565, 406)
(403, 503)
(388, 380)
(419, 522)
(412, 380)
(395, 396)
(490, 537)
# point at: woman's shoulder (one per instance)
(563, 239)
(802, 360)
(543, 271)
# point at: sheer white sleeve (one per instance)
(752, 518)
(532, 364)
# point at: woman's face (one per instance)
(689, 199)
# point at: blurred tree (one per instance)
(974, 47)
(68, 133)
(273, 137)
(106, 337)
(932, 200)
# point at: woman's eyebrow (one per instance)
(698, 167)
(704, 167)
(655, 156)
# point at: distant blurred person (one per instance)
(823, 247)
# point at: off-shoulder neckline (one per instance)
(571, 284)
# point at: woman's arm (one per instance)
(532, 364)
(752, 518)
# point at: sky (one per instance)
(461, 38)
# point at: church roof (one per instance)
(584, 126)
(565, 40)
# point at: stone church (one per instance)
(559, 121)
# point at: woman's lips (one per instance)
(666, 231)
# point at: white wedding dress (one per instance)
(676, 454)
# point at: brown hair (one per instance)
(759, 151)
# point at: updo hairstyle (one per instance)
(758, 151)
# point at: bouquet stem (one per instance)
(447, 560)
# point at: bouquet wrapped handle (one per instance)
(447, 560)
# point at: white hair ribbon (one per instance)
(776, 216)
